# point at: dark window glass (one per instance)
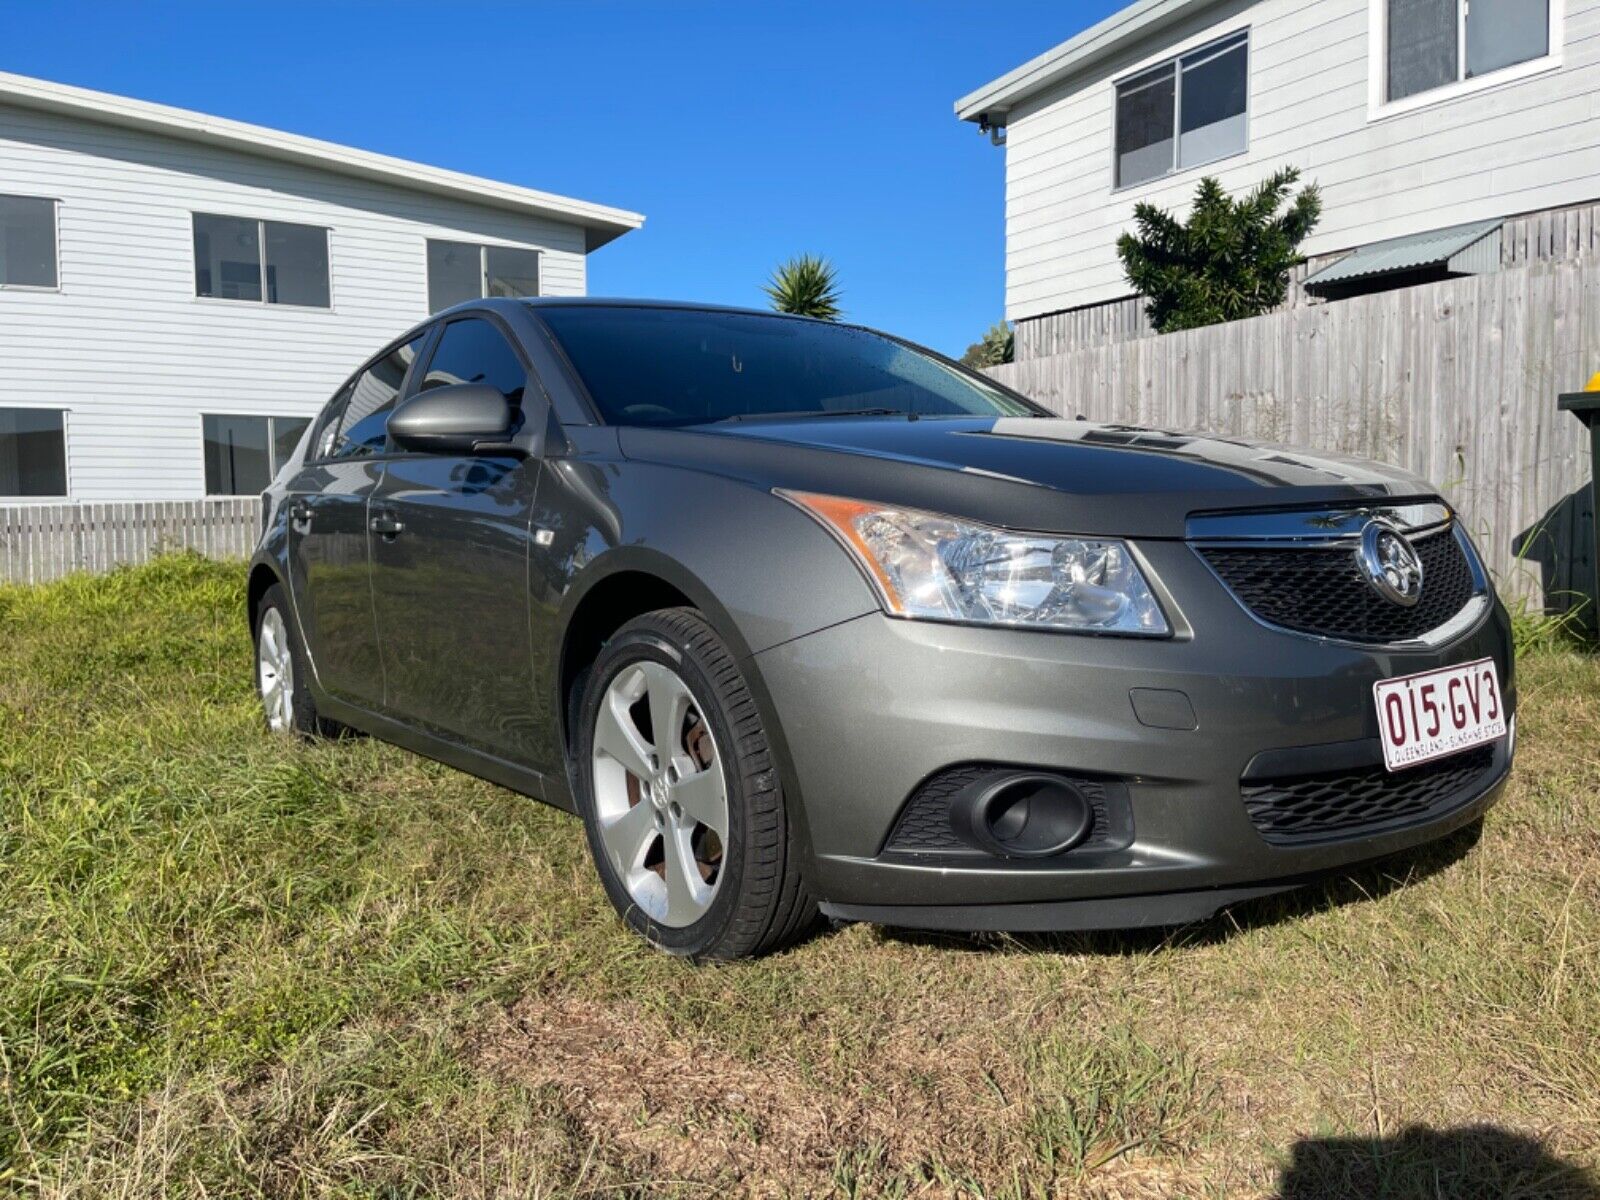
(659, 366)
(27, 242)
(1215, 88)
(455, 273)
(1145, 110)
(372, 399)
(238, 455)
(227, 257)
(1424, 47)
(286, 433)
(297, 264)
(475, 351)
(33, 452)
(327, 435)
(512, 271)
(1502, 33)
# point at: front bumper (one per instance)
(869, 709)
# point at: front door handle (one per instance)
(386, 524)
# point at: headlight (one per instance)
(943, 569)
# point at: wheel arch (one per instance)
(262, 577)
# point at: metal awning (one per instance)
(1460, 250)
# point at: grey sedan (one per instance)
(802, 619)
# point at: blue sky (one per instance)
(745, 132)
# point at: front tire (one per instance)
(281, 673)
(680, 797)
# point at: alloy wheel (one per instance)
(275, 671)
(661, 795)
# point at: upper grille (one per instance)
(1322, 590)
(1341, 804)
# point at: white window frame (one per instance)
(261, 252)
(66, 444)
(55, 238)
(269, 418)
(1176, 62)
(1380, 106)
(483, 263)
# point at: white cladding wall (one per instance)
(131, 353)
(1527, 144)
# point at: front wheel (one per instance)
(281, 675)
(680, 797)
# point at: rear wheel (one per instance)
(683, 809)
(281, 671)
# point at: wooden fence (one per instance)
(39, 542)
(1455, 381)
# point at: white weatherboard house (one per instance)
(1449, 137)
(179, 293)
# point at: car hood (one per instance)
(1028, 473)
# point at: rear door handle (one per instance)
(386, 524)
(300, 514)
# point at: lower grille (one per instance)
(1314, 808)
(925, 828)
(1322, 591)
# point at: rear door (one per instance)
(450, 566)
(330, 569)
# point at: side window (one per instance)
(475, 351)
(328, 426)
(372, 399)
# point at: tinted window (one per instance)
(662, 366)
(286, 433)
(328, 431)
(475, 351)
(1145, 109)
(227, 257)
(1184, 113)
(511, 271)
(455, 273)
(236, 257)
(1212, 123)
(27, 242)
(372, 398)
(238, 455)
(33, 452)
(297, 264)
(1424, 45)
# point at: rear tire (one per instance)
(282, 674)
(652, 801)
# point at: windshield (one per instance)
(669, 366)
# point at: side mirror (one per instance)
(462, 418)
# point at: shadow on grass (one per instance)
(1358, 885)
(1478, 1161)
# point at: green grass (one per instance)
(232, 965)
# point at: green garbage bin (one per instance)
(1586, 407)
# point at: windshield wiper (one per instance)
(807, 413)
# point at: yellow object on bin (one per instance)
(1594, 384)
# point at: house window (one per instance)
(1186, 112)
(1435, 43)
(243, 453)
(459, 271)
(27, 242)
(237, 258)
(33, 452)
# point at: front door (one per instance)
(450, 568)
(329, 564)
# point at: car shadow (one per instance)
(1360, 885)
(1469, 1163)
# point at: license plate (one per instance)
(1427, 716)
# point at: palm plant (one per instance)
(807, 286)
(997, 346)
